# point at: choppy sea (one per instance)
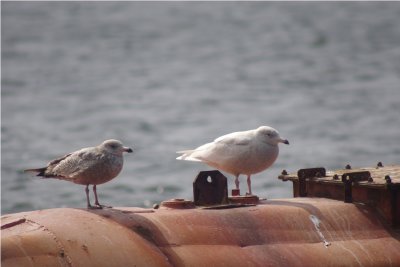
(167, 76)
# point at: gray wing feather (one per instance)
(73, 164)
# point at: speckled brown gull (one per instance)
(88, 166)
(246, 152)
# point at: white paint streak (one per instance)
(364, 250)
(314, 219)
(20, 247)
(354, 255)
(390, 261)
(107, 239)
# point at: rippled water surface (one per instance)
(167, 76)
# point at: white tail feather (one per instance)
(186, 155)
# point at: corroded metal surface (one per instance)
(178, 203)
(378, 175)
(73, 237)
(250, 199)
(377, 186)
(286, 232)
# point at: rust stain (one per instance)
(145, 233)
(12, 224)
(85, 248)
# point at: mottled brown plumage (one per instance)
(87, 166)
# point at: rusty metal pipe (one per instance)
(286, 232)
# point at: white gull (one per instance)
(246, 152)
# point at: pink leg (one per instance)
(237, 181)
(249, 184)
(87, 197)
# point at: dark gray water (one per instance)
(167, 76)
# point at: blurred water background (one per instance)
(167, 76)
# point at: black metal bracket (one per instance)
(210, 188)
(303, 174)
(394, 190)
(349, 178)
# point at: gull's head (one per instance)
(115, 147)
(270, 136)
